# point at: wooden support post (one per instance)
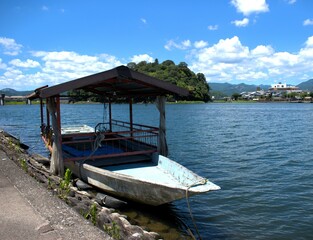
(57, 164)
(162, 144)
(41, 114)
(61, 162)
(110, 114)
(58, 112)
(47, 111)
(131, 115)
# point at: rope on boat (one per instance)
(201, 182)
(34, 145)
(96, 145)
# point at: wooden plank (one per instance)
(121, 160)
(110, 155)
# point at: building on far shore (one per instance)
(283, 87)
(277, 92)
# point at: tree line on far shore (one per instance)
(179, 75)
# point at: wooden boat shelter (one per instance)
(119, 82)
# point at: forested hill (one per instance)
(179, 75)
(12, 92)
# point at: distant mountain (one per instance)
(12, 92)
(220, 89)
(228, 89)
(308, 85)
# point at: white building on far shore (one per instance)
(283, 87)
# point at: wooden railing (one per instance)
(117, 139)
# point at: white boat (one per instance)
(153, 182)
(124, 159)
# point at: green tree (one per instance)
(179, 75)
(132, 65)
(82, 95)
(235, 96)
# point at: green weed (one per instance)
(23, 164)
(64, 187)
(113, 230)
(92, 214)
(51, 184)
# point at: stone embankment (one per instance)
(97, 208)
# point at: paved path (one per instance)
(30, 211)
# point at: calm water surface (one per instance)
(260, 155)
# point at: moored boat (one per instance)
(125, 159)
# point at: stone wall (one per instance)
(96, 207)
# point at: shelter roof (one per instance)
(120, 81)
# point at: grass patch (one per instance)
(23, 164)
(113, 230)
(64, 187)
(92, 214)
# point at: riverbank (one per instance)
(58, 209)
(30, 211)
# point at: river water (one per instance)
(259, 154)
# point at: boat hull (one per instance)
(155, 183)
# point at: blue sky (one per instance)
(235, 41)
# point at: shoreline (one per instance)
(12, 103)
(84, 202)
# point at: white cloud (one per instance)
(171, 44)
(186, 44)
(20, 81)
(308, 22)
(262, 50)
(281, 59)
(65, 56)
(106, 58)
(227, 50)
(248, 7)
(43, 67)
(213, 27)
(2, 65)
(200, 44)
(12, 72)
(229, 60)
(142, 57)
(225, 60)
(143, 20)
(44, 8)
(10, 47)
(241, 23)
(309, 42)
(26, 64)
(306, 53)
(78, 65)
(58, 67)
(13, 77)
(292, 1)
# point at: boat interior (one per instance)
(109, 143)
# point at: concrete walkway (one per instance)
(30, 211)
